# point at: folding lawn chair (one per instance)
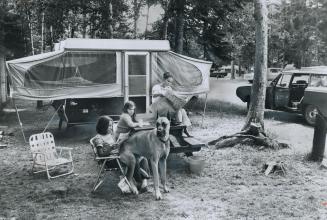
(102, 163)
(47, 156)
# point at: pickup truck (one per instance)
(286, 92)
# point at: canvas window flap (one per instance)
(66, 75)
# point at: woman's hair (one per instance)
(129, 105)
(167, 75)
(103, 124)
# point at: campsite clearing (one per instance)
(231, 186)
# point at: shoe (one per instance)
(123, 186)
(187, 134)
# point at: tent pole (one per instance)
(204, 109)
(20, 122)
(51, 118)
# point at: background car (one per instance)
(217, 71)
(272, 73)
(214, 70)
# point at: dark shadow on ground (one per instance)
(285, 117)
(218, 107)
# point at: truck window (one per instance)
(300, 79)
(284, 80)
(318, 80)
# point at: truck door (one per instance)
(137, 80)
(282, 91)
(270, 92)
(298, 85)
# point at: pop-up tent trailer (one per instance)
(99, 75)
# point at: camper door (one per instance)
(137, 80)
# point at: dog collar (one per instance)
(164, 141)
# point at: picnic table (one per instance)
(181, 142)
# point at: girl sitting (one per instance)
(127, 122)
(104, 140)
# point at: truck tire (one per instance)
(309, 114)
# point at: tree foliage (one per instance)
(219, 31)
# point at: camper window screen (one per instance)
(73, 69)
(137, 74)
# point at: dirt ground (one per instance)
(231, 186)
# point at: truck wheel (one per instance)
(309, 114)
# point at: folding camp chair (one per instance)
(47, 156)
(102, 163)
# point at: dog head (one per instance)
(163, 126)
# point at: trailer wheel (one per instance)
(309, 114)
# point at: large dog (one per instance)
(155, 146)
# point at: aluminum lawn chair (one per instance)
(102, 166)
(47, 156)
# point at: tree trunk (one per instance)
(232, 69)
(253, 133)
(31, 31)
(204, 38)
(258, 91)
(51, 38)
(147, 20)
(3, 82)
(2, 59)
(136, 9)
(239, 66)
(84, 25)
(42, 33)
(165, 20)
(110, 28)
(179, 26)
(164, 27)
(72, 32)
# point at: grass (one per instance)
(232, 185)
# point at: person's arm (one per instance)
(128, 120)
(105, 149)
(98, 143)
(157, 91)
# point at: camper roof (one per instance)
(114, 44)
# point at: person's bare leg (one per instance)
(184, 118)
(129, 160)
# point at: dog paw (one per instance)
(144, 183)
(134, 189)
(158, 196)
